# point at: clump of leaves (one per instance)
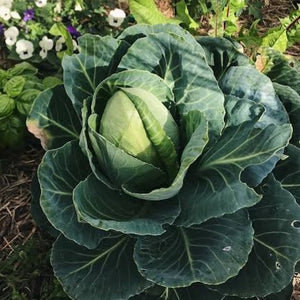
(172, 171)
(27, 274)
(19, 86)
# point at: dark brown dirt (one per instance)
(16, 223)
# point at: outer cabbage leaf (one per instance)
(221, 54)
(107, 209)
(107, 270)
(67, 166)
(53, 119)
(83, 71)
(291, 100)
(288, 171)
(246, 82)
(195, 291)
(271, 263)
(209, 253)
(214, 187)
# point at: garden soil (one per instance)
(16, 224)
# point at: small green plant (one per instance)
(172, 170)
(26, 273)
(19, 86)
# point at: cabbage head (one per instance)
(169, 172)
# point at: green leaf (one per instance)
(51, 82)
(193, 292)
(184, 15)
(108, 271)
(67, 166)
(36, 211)
(132, 33)
(146, 12)
(12, 131)
(87, 149)
(271, 263)
(52, 118)
(288, 171)
(59, 29)
(281, 71)
(186, 72)
(153, 115)
(215, 188)
(209, 253)
(276, 38)
(221, 54)
(197, 130)
(14, 86)
(291, 100)
(25, 99)
(84, 71)
(7, 106)
(23, 68)
(108, 209)
(245, 82)
(120, 167)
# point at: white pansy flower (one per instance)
(40, 3)
(43, 53)
(46, 43)
(11, 35)
(59, 44)
(15, 15)
(116, 17)
(57, 8)
(24, 48)
(6, 3)
(5, 13)
(78, 7)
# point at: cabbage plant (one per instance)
(169, 172)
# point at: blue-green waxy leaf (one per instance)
(221, 54)
(84, 71)
(197, 131)
(107, 272)
(194, 292)
(186, 72)
(271, 263)
(215, 187)
(132, 33)
(59, 172)
(132, 79)
(208, 253)
(53, 119)
(122, 168)
(246, 82)
(40, 218)
(281, 71)
(108, 209)
(287, 171)
(291, 101)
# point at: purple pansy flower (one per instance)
(1, 28)
(28, 14)
(73, 31)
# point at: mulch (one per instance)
(17, 225)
